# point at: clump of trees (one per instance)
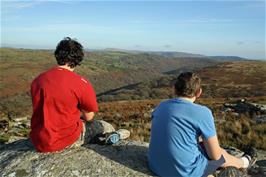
(154, 89)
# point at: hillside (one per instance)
(223, 83)
(226, 80)
(105, 69)
(122, 78)
(170, 54)
(174, 54)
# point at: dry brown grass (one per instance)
(222, 83)
(234, 130)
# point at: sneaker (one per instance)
(251, 154)
(123, 133)
(112, 138)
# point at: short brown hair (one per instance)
(187, 84)
(69, 51)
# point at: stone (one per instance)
(261, 119)
(126, 158)
(242, 106)
(107, 127)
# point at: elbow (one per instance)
(216, 157)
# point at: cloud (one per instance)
(10, 7)
(205, 20)
(59, 27)
(250, 42)
(75, 28)
(253, 5)
(137, 46)
(258, 42)
(193, 20)
(167, 46)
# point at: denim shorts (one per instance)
(213, 165)
(90, 130)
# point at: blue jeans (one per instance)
(213, 165)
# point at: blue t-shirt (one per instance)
(176, 127)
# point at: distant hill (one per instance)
(178, 54)
(105, 69)
(173, 54)
(227, 58)
(169, 54)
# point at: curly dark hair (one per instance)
(187, 84)
(69, 51)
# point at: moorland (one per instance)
(129, 85)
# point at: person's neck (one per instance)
(191, 99)
(66, 67)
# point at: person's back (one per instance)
(176, 124)
(56, 120)
(58, 98)
(183, 137)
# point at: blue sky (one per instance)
(205, 27)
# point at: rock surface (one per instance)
(128, 158)
(19, 159)
(242, 106)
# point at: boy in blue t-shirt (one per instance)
(178, 127)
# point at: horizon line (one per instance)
(131, 50)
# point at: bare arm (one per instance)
(88, 116)
(213, 148)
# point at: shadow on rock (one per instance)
(258, 170)
(130, 154)
(19, 145)
(13, 150)
(261, 163)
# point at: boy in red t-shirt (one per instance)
(58, 97)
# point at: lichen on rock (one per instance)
(127, 158)
(124, 159)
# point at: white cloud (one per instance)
(58, 27)
(11, 6)
(71, 28)
(205, 20)
(240, 42)
(195, 20)
(167, 46)
(251, 5)
(8, 5)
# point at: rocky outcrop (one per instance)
(242, 106)
(127, 158)
(256, 111)
(19, 159)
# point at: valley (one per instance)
(130, 85)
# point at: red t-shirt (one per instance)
(58, 95)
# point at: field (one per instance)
(106, 70)
(233, 129)
(131, 85)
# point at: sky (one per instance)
(214, 27)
